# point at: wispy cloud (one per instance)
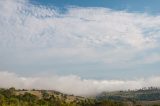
(108, 34)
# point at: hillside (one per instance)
(142, 97)
(13, 97)
(145, 96)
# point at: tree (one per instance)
(13, 101)
(45, 95)
(1, 100)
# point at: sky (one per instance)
(97, 45)
(139, 6)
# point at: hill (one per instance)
(13, 97)
(142, 97)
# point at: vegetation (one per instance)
(144, 94)
(142, 97)
(13, 97)
(148, 96)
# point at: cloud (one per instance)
(34, 34)
(108, 34)
(72, 84)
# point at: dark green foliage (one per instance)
(109, 103)
(2, 100)
(149, 96)
(144, 94)
(45, 95)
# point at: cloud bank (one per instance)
(73, 84)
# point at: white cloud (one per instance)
(72, 84)
(111, 36)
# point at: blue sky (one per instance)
(148, 6)
(81, 40)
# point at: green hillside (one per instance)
(146, 96)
